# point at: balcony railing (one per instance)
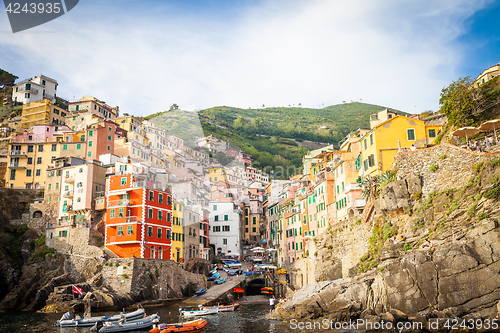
(30, 89)
(132, 219)
(69, 193)
(16, 165)
(17, 152)
(115, 203)
(69, 179)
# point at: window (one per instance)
(54, 147)
(225, 228)
(121, 212)
(65, 147)
(169, 200)
(150, 213)
(168, 234)
(226, 217)
(246, 220)
(366, 145)
(159, 233)
(38, 160)
(432, 133)
(151, 196)
(224, 241)
(91, 133)
(57, 185)
(38, 172)
(160, 215)
(109, 137)
(160, 198)
(12, 174)
(89, 154)
(30, 148)
(410, 134)
(120, 231)
(150, 231)
(246, 229)
(253, 229)
(123, 181)
(78, 146)
(168, 216)
(371, 139)
(109, 147)
(215, 207)
(216, 218)
(371, 160)
(30, 160)
(112, 214)
(40, 148)
(90, 143)
(254, 220)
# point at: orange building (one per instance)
(138, 218)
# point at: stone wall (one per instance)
(79, 241)
(454, 166)
(130, 275)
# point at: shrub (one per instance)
(478, 167)
(472, 210)
(381, 269)
(482, 216)
(442, 156)
(315, 254)
(307, 253)
(117, 264)
(407, 247)
(157, 273)
(329, 247)
(373, 263)
(125, 276)
(433, 167)
(143, 264)
(418, 195)
(493, 193)
(358, 221)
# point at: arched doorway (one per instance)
(160, 253)
(253, 287)
(37, 214)
(152, 252)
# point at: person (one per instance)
(271, 304)
(412, 148)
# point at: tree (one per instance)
(174, 107)
(463, 103)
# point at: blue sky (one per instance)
(146, 55)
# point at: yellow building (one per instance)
(177, 253)
(42, 113)
(380, 145)
(29, 158)
(217, 174)
(93, 105)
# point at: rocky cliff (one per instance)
(429, 247)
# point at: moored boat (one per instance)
(125, 326)
(228, 308)
(220, 280)
(201, 292)
(202, 311)
(193, 326)
(67, 319)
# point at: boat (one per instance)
(67, 319)
(139, 324)
(201, 292)
(193, 326)
(228, 308)
(220, 281)
(202, 311)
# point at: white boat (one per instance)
(228, 308)
(202, 311)
(67, 319)
(140, 324)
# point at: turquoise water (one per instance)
(251, 318)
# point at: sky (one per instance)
(146, 55)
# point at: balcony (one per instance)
(69, 193)
(130, 219)
(48, 96)
(17, 153)
(28, 89)
(69, 179)
(116, 203)
(17, 166)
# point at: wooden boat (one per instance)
(68, 321)
(107, 327)
(228, 308)
(202, 311)
(193, 326)
(201, 292)
(220, 281)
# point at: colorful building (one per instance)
(138, 218)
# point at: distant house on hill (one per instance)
(35, 89)
(487, 75)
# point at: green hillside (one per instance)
(271, 135)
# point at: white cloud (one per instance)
(393, 53)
